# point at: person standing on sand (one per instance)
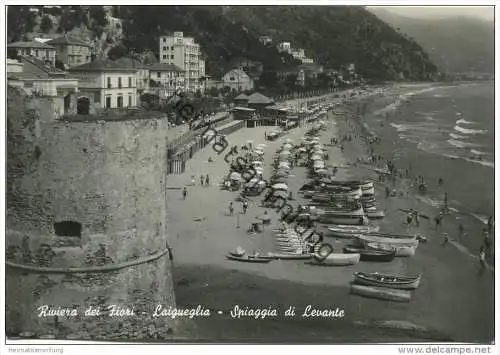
(245, 206)
(460, 229)
(417, 219)
(184, 193)
(490, 224)
(438, 220)
(201, 180)
(231, 209)
(482, 258)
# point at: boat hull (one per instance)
(401, 251)
(256, 260)
(336, 259)
(381, 293)
(374, 279)
(372, 254)
(369, 238)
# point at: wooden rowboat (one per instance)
(290, 256)
(350, 231)
(376, 279)
(381, 293)
(401, 250)
(372, 254)
(336, 259)
(248, 259)
(370, 238)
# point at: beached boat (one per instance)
(290, 256)
(373, 238)
(401, 250)
(394, 236)
(249, 259)
(375, 214)
(380, 280)
(371, 254)
(349, 231)
(336, 259)
(381, 293)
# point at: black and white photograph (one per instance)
(249, 173)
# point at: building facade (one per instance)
(265, 40)
(71, 51)
(184, 53)
(168, 78)
(35, 49)
(142, 72)
(111, 85)
(285, 47)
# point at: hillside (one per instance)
(333, 35)
(336, 35)
(455, 44)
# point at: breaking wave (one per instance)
(469, 131)
(460, 144)
(463, 121)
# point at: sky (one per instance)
(481, 12)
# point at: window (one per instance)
(158, 75)
(231, 78)
(129, 81)
(108, 101)
(172, 48)
(109, 83)
(164, 40)
(46, 53)
(119, 101)
(164, 48)
(120, 82)
(164, 56)
(36, 53)
(172, 56)
(68, 229)
(129, 100)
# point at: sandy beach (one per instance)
(201, 234)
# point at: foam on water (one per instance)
(469, 131)
(460, 144)
(481, 218)
(457, 136)
(478, 152)
(400, 127)
(463, 121)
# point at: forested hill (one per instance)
(333, 35)
(455, 44)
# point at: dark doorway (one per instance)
(68, 229)
(83, 106)
(67, 103)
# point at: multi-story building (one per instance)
(184, 53)
(35, 49)
(285, 47)
(167, 78)
(110, 84)
(71, 51)
(142, 73)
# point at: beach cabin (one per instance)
(245, 114)
(259, 102)
(241, 100)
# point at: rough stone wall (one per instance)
(111, 178)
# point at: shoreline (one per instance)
(202, 276)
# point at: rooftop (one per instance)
(163, 67)
(241, 96)
(257, 98)
(68, 39)
(102, 65)
(129, 62)
(32, 44)
(43, 66)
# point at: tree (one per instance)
(213, 91)
(59, 65)
(117, 51)
(46, 24)
(268, 79)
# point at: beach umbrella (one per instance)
(259, 170)
(280, 187)
(235, 176)
(261, 183)
(250, 142)
(285, 153)
(316, 157)
(257, 162)
(319, 164)
(287, 146)
(284, 164)
(302, 150)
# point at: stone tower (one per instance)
(86, 224)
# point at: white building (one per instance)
(235, 79)
(110, 84)
(184, 53)
(265, 40)
(167, 77)
(285, 47)
(38, 50)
